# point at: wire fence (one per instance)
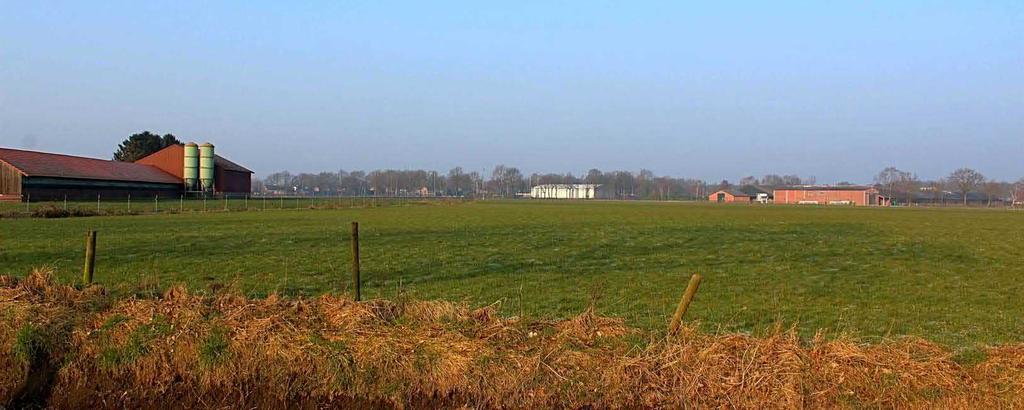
(181, 204)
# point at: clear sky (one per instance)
(837, 90)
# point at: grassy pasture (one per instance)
(950, 275)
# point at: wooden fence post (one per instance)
(355, 260)
(90, 257)
(684, 304)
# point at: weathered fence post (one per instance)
(129, 203)
(181, 203)
(65, 202)
(355, 260)
(97, 203)
(90, 257)
(156, 203)
(684, 304)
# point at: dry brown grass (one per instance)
(183, 350)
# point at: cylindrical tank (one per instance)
(191, 166)
(206, 166)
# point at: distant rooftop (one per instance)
(566, 185)
(825, 188)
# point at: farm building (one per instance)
(744, 194)
(729, 195)
(226, 176)
(41, 176)
(830, 195)
(565, 191)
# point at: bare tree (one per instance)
(893, 181)
(966, 179)
(793, 180)
(993, 189)
(1017, 193)
(938, 189)
(908, 185)
(772, 180)
(888, 179)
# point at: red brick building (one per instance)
(727, 196)
(743, 194)
(830, 195)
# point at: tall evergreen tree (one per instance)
(142, 144)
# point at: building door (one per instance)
(721, 197)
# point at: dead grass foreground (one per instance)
(70, 348)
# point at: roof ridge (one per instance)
(59, 154)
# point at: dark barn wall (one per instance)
(55, 189)
(232, 182)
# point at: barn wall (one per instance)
(55, 189)
(824, 196)
(729, 198)
(170, 160)
(232, 182)
(565, 191)
(10, 180)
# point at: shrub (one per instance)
(50, 211)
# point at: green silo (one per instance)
(191, 166)
(206, 166)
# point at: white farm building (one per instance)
(565, 191)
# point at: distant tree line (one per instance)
(962, 186)
(502, 181)
(772, 180)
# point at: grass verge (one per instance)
(227, 350)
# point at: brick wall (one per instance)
(826, 196)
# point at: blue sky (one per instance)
(837, 90)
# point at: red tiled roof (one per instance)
(825, 188)
(44, 164)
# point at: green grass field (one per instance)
(950, 275)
